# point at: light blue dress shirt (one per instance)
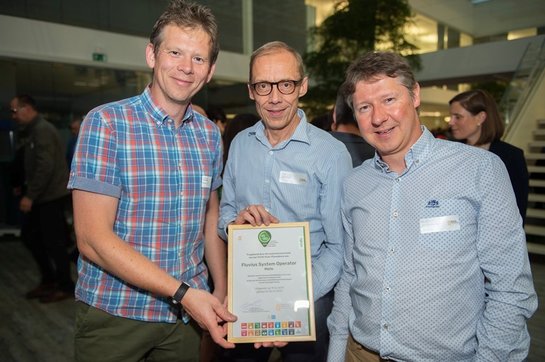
(418, 248)
(299, 179)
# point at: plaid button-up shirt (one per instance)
(162, 176)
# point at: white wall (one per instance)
(43, 41)
(476, 60)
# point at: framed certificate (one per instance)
(270, 283)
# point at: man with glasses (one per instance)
(43, 200)
(283, 169)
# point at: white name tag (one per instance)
(206, 182)
(292, 178)
(439, 224)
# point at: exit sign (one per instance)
(99, 57)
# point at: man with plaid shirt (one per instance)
(145, 176)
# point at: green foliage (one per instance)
(356, 26)
(496, 88)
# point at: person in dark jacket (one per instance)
(43, 199)
(474, 117)
(345, 129)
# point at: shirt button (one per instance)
(397, 179)
(417, 161)
(392, 250)
(271, 153)
(387, 289)
(395, 213)
(385, 326)
(267, 181)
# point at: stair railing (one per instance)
(528, 70)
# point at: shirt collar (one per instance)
(158, 115)
(419, 152)
(301, 133)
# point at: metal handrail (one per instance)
(520, 86)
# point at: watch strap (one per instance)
(180, 292)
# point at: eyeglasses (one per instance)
(15, 110)
(283, 86)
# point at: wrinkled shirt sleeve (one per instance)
(338, 321)
(511, 299)
(326, 269)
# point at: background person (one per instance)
(144, 179)
(323, 121)
(239, 123)
(474, 117)
(345, 129)
(296, 173)
(436, 266)
(43, 196)
(217, 115)
(74, 126)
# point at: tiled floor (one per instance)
(31, 331)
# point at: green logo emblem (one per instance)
(264, 237)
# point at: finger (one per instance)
(244, 217)
(218, 333)
(274, 220)
(222, 312)
(263, 216)
(270, 344)
(267, 217)
(251, 215)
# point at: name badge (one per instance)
(206, 182)
(439, 224)
(292, 178)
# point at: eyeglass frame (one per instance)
(295, 84)
(16, 110)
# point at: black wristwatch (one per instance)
(179, 295)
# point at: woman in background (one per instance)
(474, 117)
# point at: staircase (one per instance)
(535, 213)
(527, 73)
(521, 105)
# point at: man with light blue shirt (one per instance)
(435, 266)
(283, 169)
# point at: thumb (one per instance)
(223, 313)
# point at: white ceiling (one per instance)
(488, 18)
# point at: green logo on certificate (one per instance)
(264, 237)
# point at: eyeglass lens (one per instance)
(284, 87)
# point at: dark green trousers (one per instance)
(100, 336)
